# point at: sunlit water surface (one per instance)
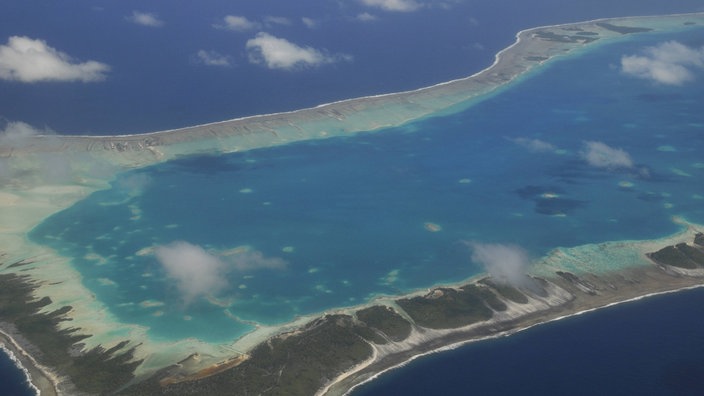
(329, 223)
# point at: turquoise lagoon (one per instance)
(335, 222)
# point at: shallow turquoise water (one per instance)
(345, 219)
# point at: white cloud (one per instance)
(394, 5)
(212, 58)
(668, 63)
(49, 167)
(599, 155)
(274, 20)
(366, 17)
(278, 53)
(134, 184)
(196, 272)
(477, 46)
(17, 131)
(28, 60)
(254, 260)
(507, 264)
(238, 24)
(309, 22)
(15, 134)
(199, 273)
(535, 145)
(145, 19)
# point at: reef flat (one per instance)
(533, 47)
(85, 331)
(338, 351)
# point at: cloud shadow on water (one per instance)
(549, 200)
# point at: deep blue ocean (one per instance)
(154, 84)
(329, 223)
(653, 346)
(149, 89)
(12, 380)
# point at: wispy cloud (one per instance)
(212, 58)
(32, 60)
(277, 20)
(196, 272)
(507, 264)
(366, 17)
(49, 167)
(237, 23)
(669, 63)
(535, 145)
(600, 155)
(16, 132)
(145, 19)
(279, 53)
(199, 273)
(394, 5)
(249, 260)
(310, 23)
(133, 185)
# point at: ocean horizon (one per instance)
(147, 91)
(459, 162)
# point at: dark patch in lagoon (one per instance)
(650, 197)
(534, 192)
(548, 201)
(572, 170)
(558, 206)
(655, 97)
(203, 164)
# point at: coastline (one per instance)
(563, 295)
(506, 333)
(130, 151)
(497, 59)
(43, 381)
(646, 279)
(532, 48)
(351, 381)
(7, 351)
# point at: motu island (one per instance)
(73, 342)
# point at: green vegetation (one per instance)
(693, 253)
(97, 371)
(699, 239)
(623, 29)
(448, 308)
(507, 291)
(291, 364)
(565, 38)
(385, 320)
(673, 256)
(485, 294)
(536, 58)
(581, 284)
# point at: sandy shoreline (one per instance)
(347, 382)
(506, 333)
(43, 381)
(528, 52)
(497, 59)
(332, 119)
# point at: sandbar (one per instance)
(28, 195)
